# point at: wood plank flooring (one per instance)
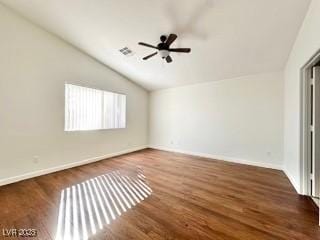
(153, 194)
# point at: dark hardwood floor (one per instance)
(153, 194)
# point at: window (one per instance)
(92, 109)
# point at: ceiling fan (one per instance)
(164, 47)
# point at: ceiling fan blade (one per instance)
(172, 37)
(147, 45)
(149, 56)
(181, 50)
(168, 59)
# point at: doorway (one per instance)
(311, 129)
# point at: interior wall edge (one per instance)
(292, 180)
(46, 171)
(223, 80)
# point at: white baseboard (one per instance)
(66, 166)
(220, 157)
(293, 181)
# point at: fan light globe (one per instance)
(164, 53)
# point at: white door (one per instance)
(315, 133)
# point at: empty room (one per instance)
(150, 120)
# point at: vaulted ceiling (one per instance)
(229, 38)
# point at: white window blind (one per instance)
(92, 109)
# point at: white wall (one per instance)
(307, 44)
(34, 66)
(238, 119)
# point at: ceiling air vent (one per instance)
(126, 51)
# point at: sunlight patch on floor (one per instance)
(87, 207)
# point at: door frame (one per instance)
(305, 76)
